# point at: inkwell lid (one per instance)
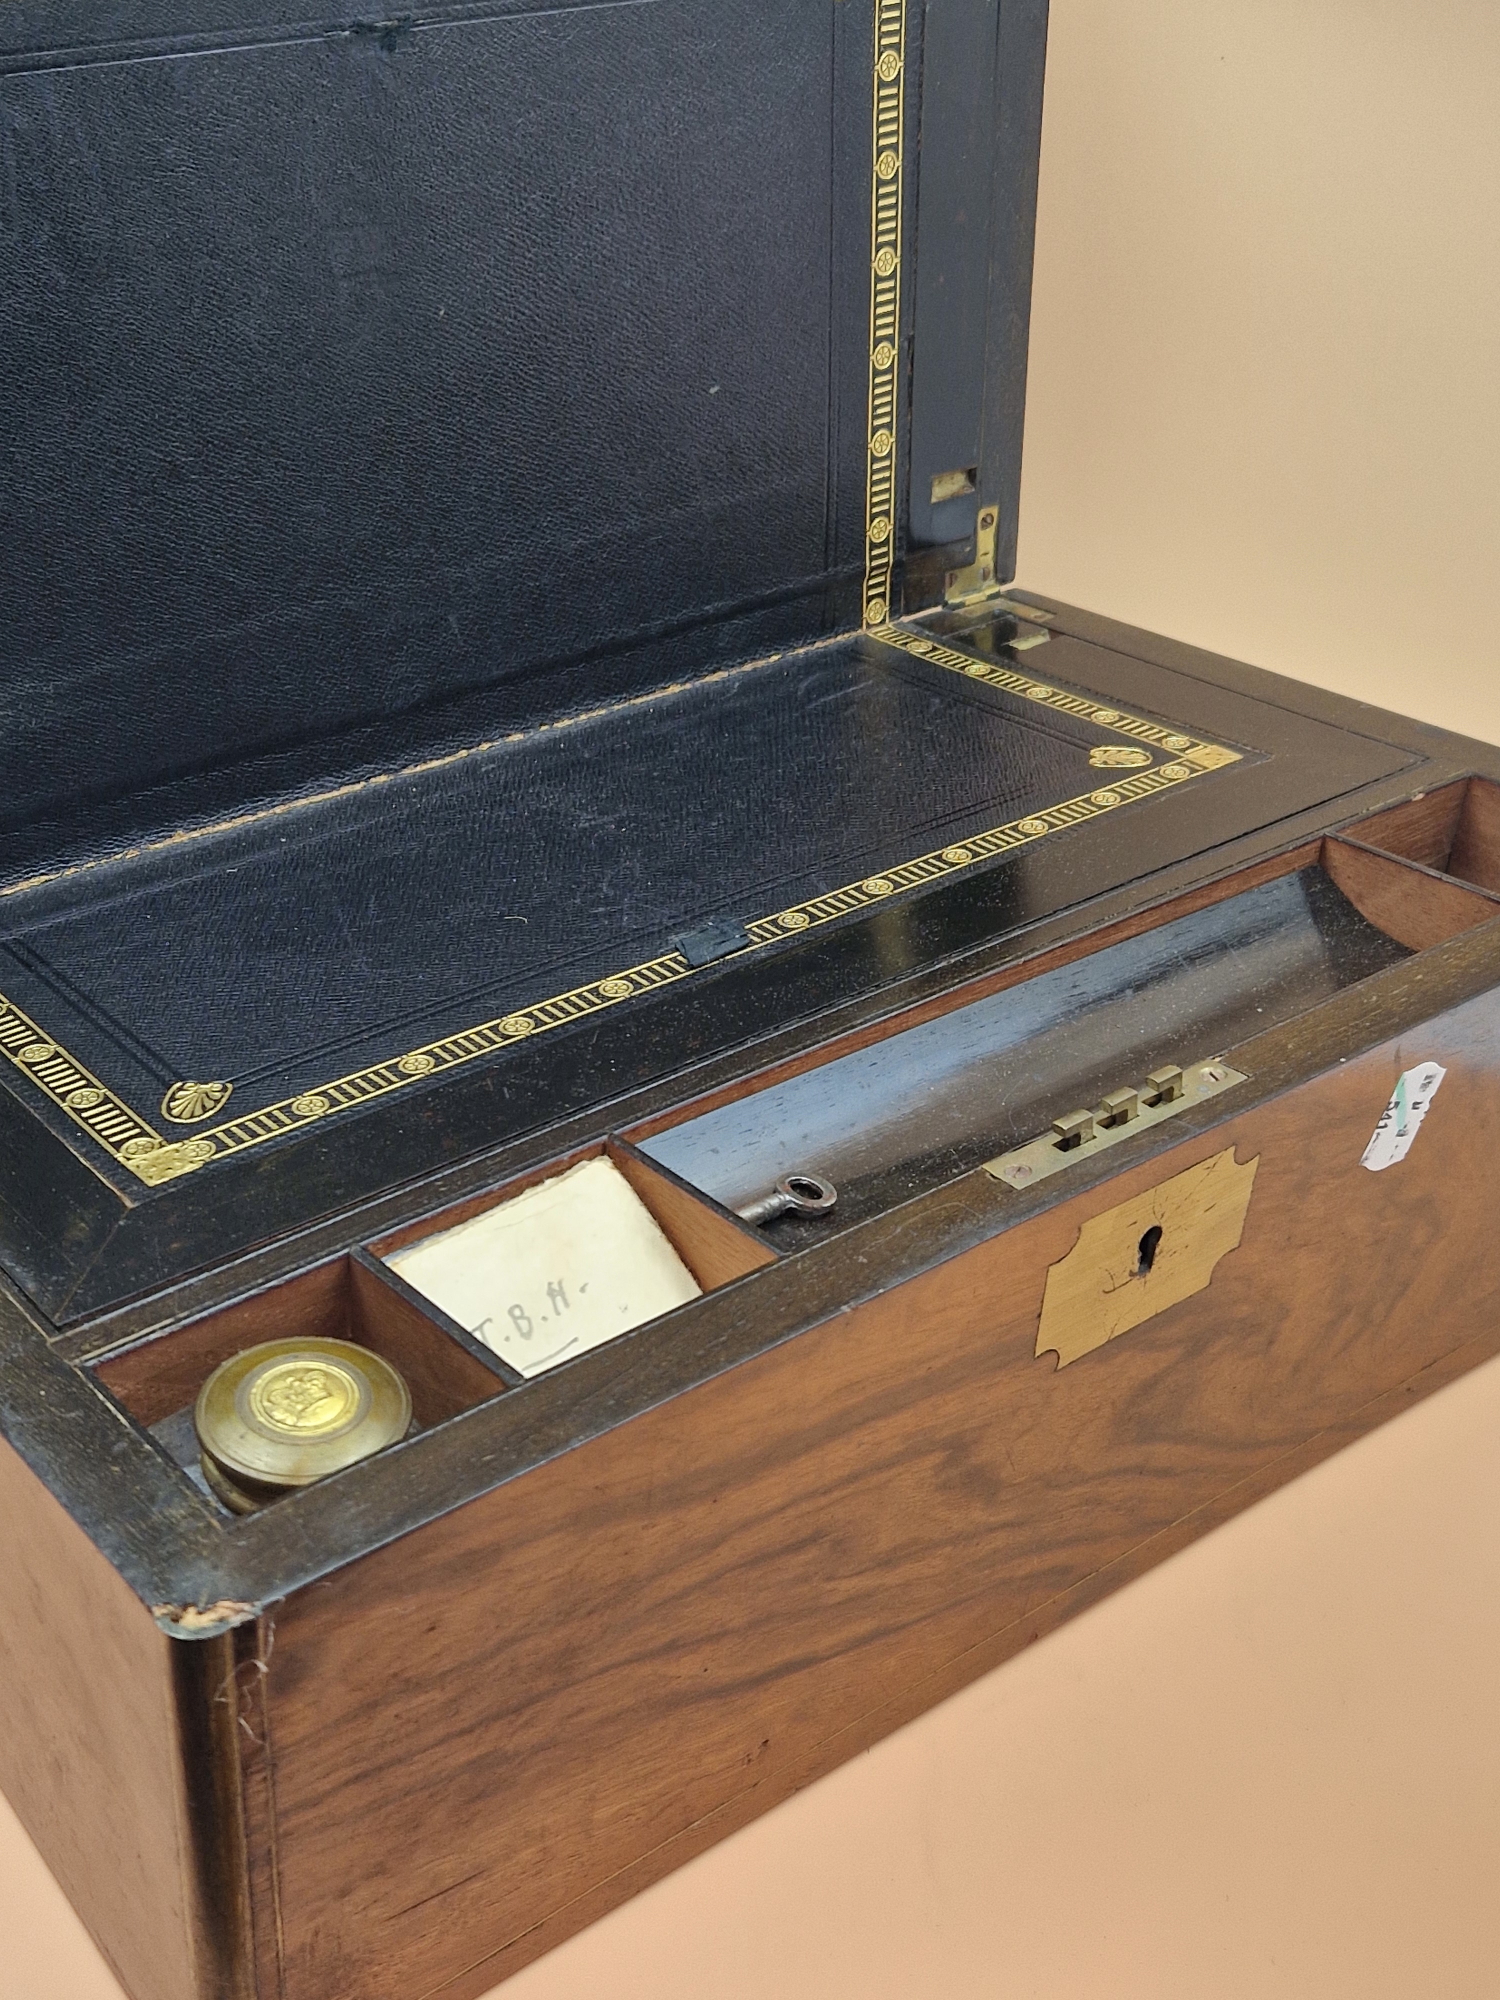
(289, 1412)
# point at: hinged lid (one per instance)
(358, 368)
(399, 411)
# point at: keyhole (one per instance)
(1148, 1246)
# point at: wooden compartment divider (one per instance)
(348, 1298)
(1455, 830)
(357, 1297)
(1415, 905)
(714, 1243)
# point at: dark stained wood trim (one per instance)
(1235, 883)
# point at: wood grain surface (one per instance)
(716, 1247)
(1475, 854)
(442, 1369)
(1455, 829)
(1420, 829)
(161, 1376)
(89, 1743)
(484, 1735)
(1417, 907)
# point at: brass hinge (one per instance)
(976, 583)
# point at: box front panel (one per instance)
(485, 1734)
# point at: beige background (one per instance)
(1263, 417)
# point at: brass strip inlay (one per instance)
(1183, 749)
(885, 306)
(77, 1092)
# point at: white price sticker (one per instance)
(1402, 1118)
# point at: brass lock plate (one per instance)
(1024, 1166)
(1151, 1252)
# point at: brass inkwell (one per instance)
(289, 1412)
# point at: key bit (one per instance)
(1073, 1129)
(794, 1194)
(1164, 1085)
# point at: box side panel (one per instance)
(89, 1742)
(485, 1735)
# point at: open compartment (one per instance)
(351, 1298)
(1454, 830)
(918, 1100)
(562, 1260)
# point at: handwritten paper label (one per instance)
(1402, 1118)
(555, 1271)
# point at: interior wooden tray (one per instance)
(1454, 831)
(888, 1114)
(358, 1297)
(894, 1110)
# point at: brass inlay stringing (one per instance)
(91, 1105)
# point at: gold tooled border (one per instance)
(887, 181)
(91, 1105)
(134, 1144)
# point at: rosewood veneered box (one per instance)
(506, 659)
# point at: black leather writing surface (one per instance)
(344, 919)
(278, 953)
(349, 370)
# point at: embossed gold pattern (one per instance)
(303, 1399)
(289, 1412)
(886, 196)
(191, 1103)
(1118, 756)
(80, 1096)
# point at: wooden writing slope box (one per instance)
(505, 662)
